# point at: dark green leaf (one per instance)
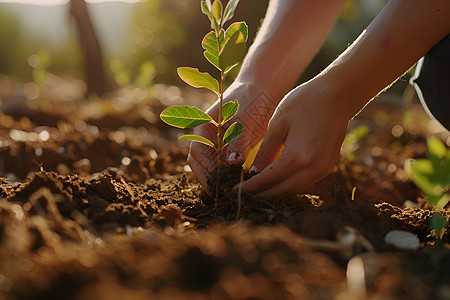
(229, 109)
(184, 116)
(232, 133)
(197, 138)
(217, 10)
(234, 47)
(195, 78)
(229, 10)
(438, 223)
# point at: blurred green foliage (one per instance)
(166, 33)
(40, 62)
(351, 141)
(18, 51)
(155, 30)
(124, 76)
(432, 175)
(13, 56)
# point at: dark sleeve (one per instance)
(432, 82)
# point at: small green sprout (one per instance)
(352, 139)
(432, 175)
(225, 49)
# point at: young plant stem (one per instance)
(219, 122)
(219, 137)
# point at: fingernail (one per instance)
(253, 170)
(232, 157)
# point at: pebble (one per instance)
(83, 165)
(62, 169)
(402, 239)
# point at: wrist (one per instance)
(351, 85)
(342, 94)
(256, 87)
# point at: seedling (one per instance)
(224, 49)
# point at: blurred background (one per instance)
(137, 42)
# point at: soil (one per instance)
(102, 206)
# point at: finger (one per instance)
(273, 174)
(305, 177)
(292, 185)
(270, 147)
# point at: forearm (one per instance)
(291, 35)
(402, 33)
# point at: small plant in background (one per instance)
(432, 176)
(40, 62)
(122, 75)
(224, 48)
(352, 139)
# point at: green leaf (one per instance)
(436, 147)
(214, 24)
(432, 179)
(232, 133)
(184, 116)
(438, 223)
(229, 109)
(234, 47)
(229, 10)
(423, 171)
(207, 10)
(195, 78)
(209, 43)
(197, 138)
(206, 7)
(438, 202)
(217, 10)
(233, 28)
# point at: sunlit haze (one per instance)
(48, 19)
(59, 2)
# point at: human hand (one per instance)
(311, 123)
(255, 109)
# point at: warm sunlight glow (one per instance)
(59, 2)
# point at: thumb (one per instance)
(270, 147)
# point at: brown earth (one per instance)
(104, 207)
